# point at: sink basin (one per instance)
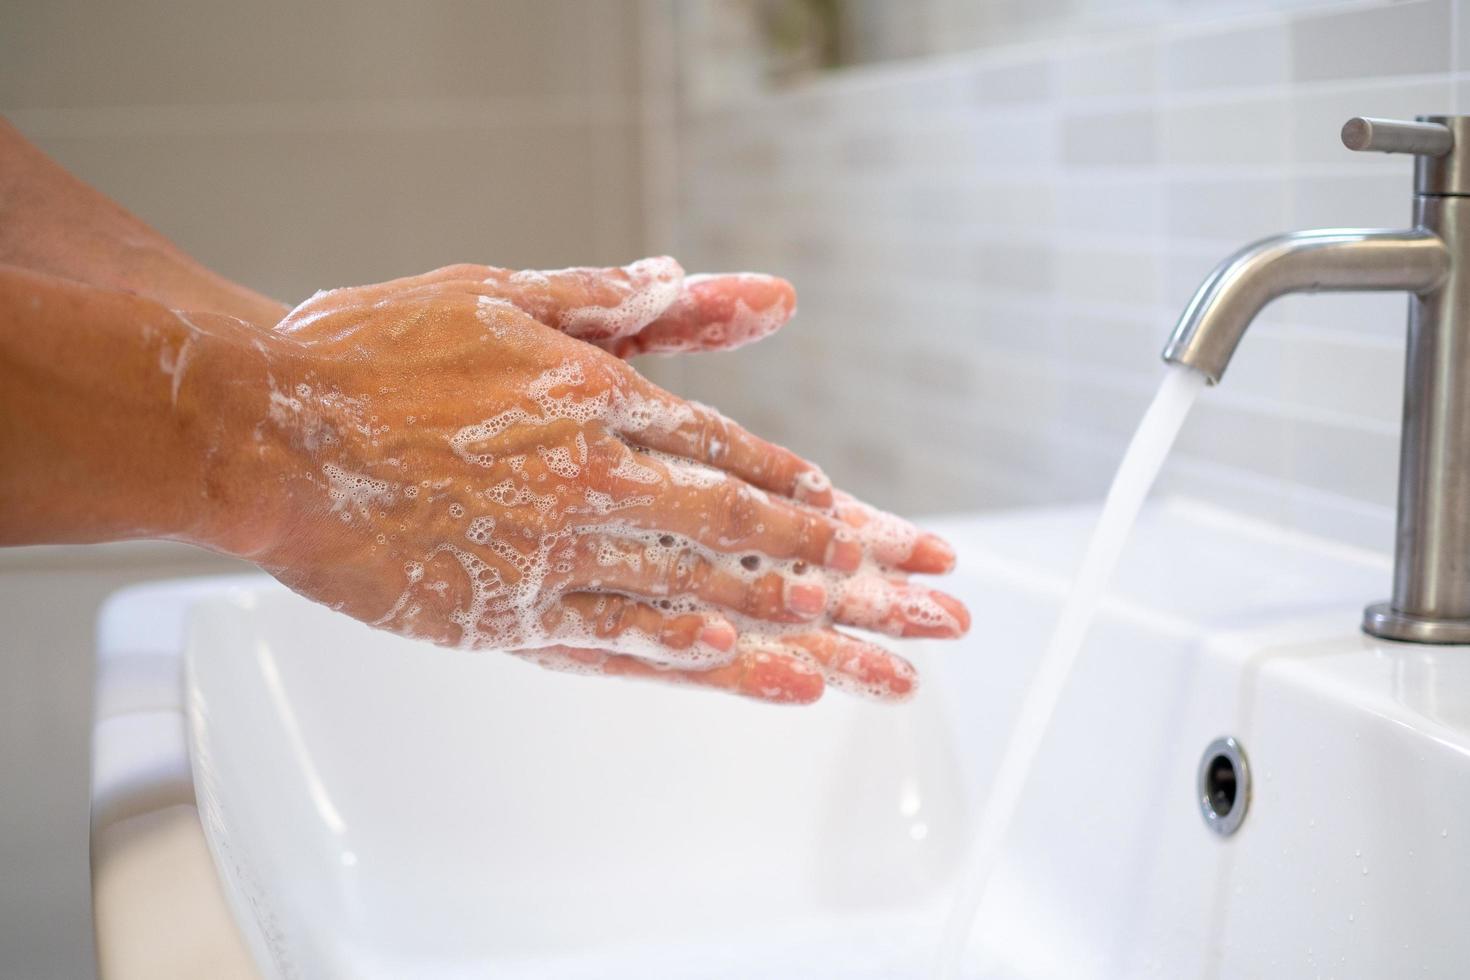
(384, 808)
(375, 807)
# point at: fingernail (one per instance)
(956, 610)
(813, 488)
(719, 634)
(845, 553)
(805, 598)
(877, 673)
(903, 682)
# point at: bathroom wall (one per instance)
(990, 248)
(292, 146)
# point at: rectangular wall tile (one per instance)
(1109, 139)
(1408, 38)
(992, 250)
(1248, 132)
(1215, 58)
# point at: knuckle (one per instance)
(714, 435)
(765, 597)
(686, 572)
(604, 456)
(617, 618)
(737, 514)
(816, 535)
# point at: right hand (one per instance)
(455, 470)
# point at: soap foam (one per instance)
(506, 600)
(353, 492)
(653, 284)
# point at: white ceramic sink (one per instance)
(380, 808)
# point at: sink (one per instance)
(375, 807)
(384, 808)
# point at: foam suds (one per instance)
(888, 538)
(492, 311)
(354, 492)
(173, 362)
(528, 543)
(559, 461)
(654, 284)
(742, 325)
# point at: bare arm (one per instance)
(101, 439)
(52, 222)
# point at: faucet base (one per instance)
(1382, 620)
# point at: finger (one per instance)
(720, 312)
(898, 608)
(655, 419)
(722, 514)
(594, 304)
(890, 540)
(661, 567)
(857, 666)
(756, 672)
(624, 625)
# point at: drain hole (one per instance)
(1224, 786)
(1220, 786)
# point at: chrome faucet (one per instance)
(1430, 262)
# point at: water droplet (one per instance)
(1357, 853)
(1365, 869)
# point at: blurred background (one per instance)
(992, 210)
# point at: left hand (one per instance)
(445, 378)
(647, 307)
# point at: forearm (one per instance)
(54, 223)
(121, 419)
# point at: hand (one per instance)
(648, 307)
(454, 469)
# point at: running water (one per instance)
(1136, 474)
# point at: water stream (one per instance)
(1136, 474)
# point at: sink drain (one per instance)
(1223, 786)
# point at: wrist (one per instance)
(238, 490)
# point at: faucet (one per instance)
(1430, 602)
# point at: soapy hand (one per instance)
(648, 307)
(456, 467)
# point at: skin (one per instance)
(460, 456)
(51, 222)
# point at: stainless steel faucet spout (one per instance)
(1341, 259)
(1430, 602)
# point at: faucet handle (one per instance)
(1429, 139)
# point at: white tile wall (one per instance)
(990, 249)
(298, 146)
